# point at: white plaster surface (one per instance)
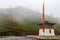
(46, 32)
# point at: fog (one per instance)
(52, 7)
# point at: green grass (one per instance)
(3, 29)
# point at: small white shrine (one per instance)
(48, 29)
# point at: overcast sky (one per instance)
(52, 7)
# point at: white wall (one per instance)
(46, 32)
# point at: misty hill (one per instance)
(22, 14)
(25, 16)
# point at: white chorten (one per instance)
(48, 29)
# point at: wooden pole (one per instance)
(43, 17)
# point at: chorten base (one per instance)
(47, 32)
